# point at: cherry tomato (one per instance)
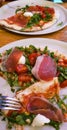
(63, 84)
(33, 57)
(21, 68)
(49, 10)
(43, 15)
(24, 78)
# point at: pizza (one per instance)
(30, 18)
(40, 75)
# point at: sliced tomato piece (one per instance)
(21, 68)
(33, 57)
(24, 78)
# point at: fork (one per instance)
(8, 103)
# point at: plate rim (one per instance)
(46, 40)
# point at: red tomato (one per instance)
(40, 8)
(43, 15)
(50, 10)
(36, 8)
(21, 68)
(24, 78)
(63, 84)
(32, 57)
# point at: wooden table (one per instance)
(6, 37)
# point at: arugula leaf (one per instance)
(12, 79)
(22, 9)
(60, 102)
(62, 105)
(63, 73)
(60, 24)
(48, 17)
(55, 124)
(34, 20)
(8, 51)
(21, 119)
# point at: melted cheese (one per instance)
(22, 60)
(40, 120)
(27, 14)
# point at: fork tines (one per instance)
(7, 103)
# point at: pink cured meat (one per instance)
(40, 105)
(13, 59)
(45, 68)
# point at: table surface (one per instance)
(6, 37)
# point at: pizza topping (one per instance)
(22, 60)
(13, 59)
(45, 68)
(29, 18)
(63, 84)
(34, 20)
(18, 19)
(40, 9)
(23, 9)
(27, 14)
(62, 62)
(24, 78)
(32, 57)
(21, 68)
(40, 120)
(62, 74)
(39, 105)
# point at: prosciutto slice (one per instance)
(45, 68)
(40, 105)
(13, 59)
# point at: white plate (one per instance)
(61, 14)
(38, 42)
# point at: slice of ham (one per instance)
(13, 59)
(18, 19)
(40, 105)
(45, 68)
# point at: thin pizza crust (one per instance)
(43, 87)
(19, 127)
(4, 23)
